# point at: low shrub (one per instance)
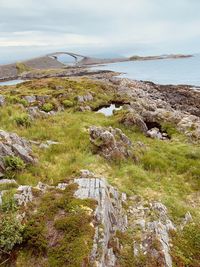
(47, 107)
(34, 235)
(17, 100)
(67, 103)
(14, 163)
(23, 120)
(11, 231)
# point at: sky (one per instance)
(109, 27)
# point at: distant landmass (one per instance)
(51, 61)
(171, 56)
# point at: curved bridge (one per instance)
(77, 57)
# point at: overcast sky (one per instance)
(126, 26)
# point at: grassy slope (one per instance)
(168, 171)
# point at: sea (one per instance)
(165, 71)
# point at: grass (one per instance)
(167, 171)
(21, 67)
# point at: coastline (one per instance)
(147, 147)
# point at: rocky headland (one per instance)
(79, 187)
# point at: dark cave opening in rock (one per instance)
(154, 124)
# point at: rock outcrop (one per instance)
(109, 217)
(24, 195)
(154, 232)
(151, 103)
(13, 145)
(148, 222)
(111, 143)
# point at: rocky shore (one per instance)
(79, 187)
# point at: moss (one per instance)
(34, 236)
(60, 215)
(47, 107)
(67, 103)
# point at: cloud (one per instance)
(105, 23)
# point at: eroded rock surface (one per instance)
(24, 195)
(149, 102)
(109, 217)
(154, 232)
(148, 222)
(111, 143)
(13, 145)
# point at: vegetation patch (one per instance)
(23, 120)
(47, 107)
(60, 230)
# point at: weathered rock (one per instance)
(13, 145)
(7, 181)
(42, 98)
(80, 99)
(2, 100)
(156, 134)
(30, 99)
(86, 174)
(131, 119)
(35, 112)
(149, 102)
(152, 232)
(109, 217)
(23, 153)
(47, 144)
(110, 143)
(62, 186)
(24, 195)
(42, 187)
(85, 98)
(84, 108)
(187, 219)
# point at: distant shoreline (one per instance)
(47, 62)
(171, 56)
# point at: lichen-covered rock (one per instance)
(13, 145)
(24, 195)
(109, 217)
(154, 232)
(30, 99)
(2, 100)
(111, 143)
(156, 134)
(35, 113)
(47, 144)
(8, 181)
(131, 119)
(149, 102)
(84, 108)
(85, 98)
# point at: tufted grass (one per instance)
(167, 171)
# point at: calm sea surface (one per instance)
(169, 71)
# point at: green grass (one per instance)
(167, 171)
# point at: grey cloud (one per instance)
(126, 22)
